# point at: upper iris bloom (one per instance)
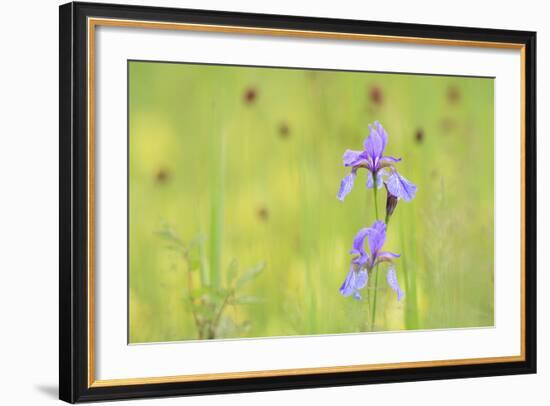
(364, 262)
(379, 166)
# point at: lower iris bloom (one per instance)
(363, 262)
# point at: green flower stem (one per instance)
(376, 268)
(375, 201)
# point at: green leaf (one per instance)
(249, 275)
(166, 233)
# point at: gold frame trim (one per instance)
(94, 22)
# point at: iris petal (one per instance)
(361, 279)
(347, 287)
(346, 185)
(353, 158)
(383, 135)
(386, 256)
(355, 280)
(374, 145)
(394, 284)
(400, 187)
(377, 236)
(358, 246)
(361, 260)
(388, 160)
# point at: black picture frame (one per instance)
(74, 199)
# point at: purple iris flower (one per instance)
(378, 166)
(364, 262)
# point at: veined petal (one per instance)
(361, 279)
(347, 287)
(374, 145)
(353, 158)
(358, 242)
(377, 236)
(346, 185)
(383, 135)
(394, 285)
(355, 280)
(379, 179)
(400, 187)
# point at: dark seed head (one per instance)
(250, 95)
(162, 176)
(419, 135)
(284, 130)
(263, 213)
(447, 124)
(453, 95)
(375, 95)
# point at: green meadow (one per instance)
(234, 225)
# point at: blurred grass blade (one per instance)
(216, 161)
(244, 300)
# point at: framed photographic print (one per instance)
(257, 202)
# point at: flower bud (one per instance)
(391, 202)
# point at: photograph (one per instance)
(273, 202)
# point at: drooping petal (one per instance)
(383, 135)
(386, 256)
(379, 179)
(394, 284)
(354, 158)
(355, 280)
(400, 187)
(361, 279)
(346, 185)
(348, 286)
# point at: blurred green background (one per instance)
(234, 225)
